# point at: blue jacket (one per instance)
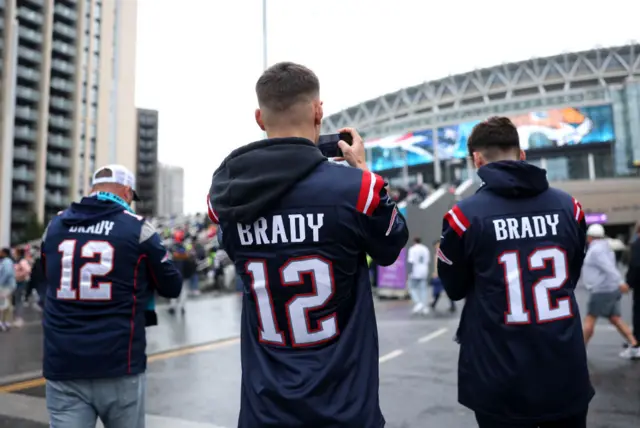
(7, 274)
(102, 267)
(514, 250)
(298, 229)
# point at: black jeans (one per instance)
(578, 421)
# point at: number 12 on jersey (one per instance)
(546, 311)
(297, 308)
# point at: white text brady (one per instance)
(101, 228)
(281, 229)
(537, 226)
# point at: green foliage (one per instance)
(33, 229)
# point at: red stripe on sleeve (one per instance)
(213, 216)
(375, 200)
(363, 196)
(452, 223)
(578, 212)
(461, 217)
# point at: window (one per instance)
(603, 162)
(94, 95)
(578, 166)
(574, 166)
(557, 169)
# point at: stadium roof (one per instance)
(576, 77)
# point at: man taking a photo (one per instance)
(298, 229)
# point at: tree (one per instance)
(33, 229)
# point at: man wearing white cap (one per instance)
(102, 265)
(602, 278)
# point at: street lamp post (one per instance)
(264, 35)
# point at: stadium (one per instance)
(578, 116)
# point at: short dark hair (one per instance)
(20, 253)
(494, 136)
(285, 84)
(417, 240)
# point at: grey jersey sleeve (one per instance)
(147, 232)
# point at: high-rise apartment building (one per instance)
(147, 176)
(67, 87)
(170, 191)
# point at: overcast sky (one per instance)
(198, 60)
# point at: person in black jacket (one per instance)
(37, 282)
(633, 279)
(514, 251)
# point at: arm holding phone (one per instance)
(347, 146)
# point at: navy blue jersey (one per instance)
(102, 266)
(309, 338)
(514, 250)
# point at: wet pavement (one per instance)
(194, 375)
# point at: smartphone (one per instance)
(328, 144)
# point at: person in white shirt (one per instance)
(418, 260)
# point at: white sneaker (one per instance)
(630, 353)
(425, 310)
(18, 322)
(417, 308)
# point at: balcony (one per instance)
(147, 158)
(20, 216)
(149, 133)
(58, 180)
(39, 3)
(64, 30)
(28, 94)
(62, 84)
(64, 48)
(25, 133)
(23, 175)
(23, 195)
(29, 15)
(25, 155)
(57, 200)
(30, 35)
(29, 74)
(61, 104)
(65, 12)
(29, 54)
(58, 161)
(59, 142)
(147, 145)
(63, 66)
(60, 122)
(27, 113)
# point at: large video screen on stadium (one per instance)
(557, 128)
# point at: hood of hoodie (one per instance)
(255, 177)
(89, 210)
(513, 179)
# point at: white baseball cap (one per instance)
(596, 231)
(116, 174)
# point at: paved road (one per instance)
(198, 386)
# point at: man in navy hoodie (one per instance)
(102, 264)
(514, 250)
(298, 229)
